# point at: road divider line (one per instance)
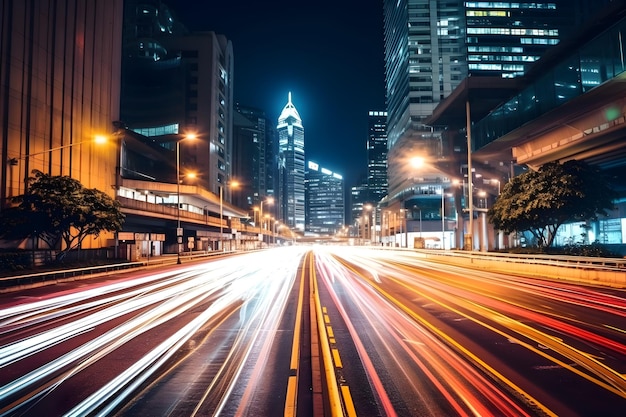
(337, 358)
(347, 401)
(291, 399)
(330, 332)
(334, 398)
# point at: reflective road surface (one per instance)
(312, 331)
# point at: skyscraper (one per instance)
(258, 156)
(425, 60)
(291, 165)
(430, 49)
(175, 82)
(377, 155)
(325, 201)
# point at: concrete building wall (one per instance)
(59, 89)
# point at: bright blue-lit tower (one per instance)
(291, 160)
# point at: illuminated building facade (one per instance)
(59, 90)
(291, 167)
(377, 155)
(431, 47)
(325, 201)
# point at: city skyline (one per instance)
(332, 64)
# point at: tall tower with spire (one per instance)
(291, 169)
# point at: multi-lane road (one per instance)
(312, 331)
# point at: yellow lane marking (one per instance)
(347, 400)
(292, 395)
(337, 358)
(329, 330)
(334, 399)
(291, 399)
(588, 361)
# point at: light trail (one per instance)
(493, 301)
(467, 391)
(148, 303)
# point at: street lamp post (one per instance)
(383, 225)
(221, 240)
(469, 238)
(269, 200)
(179, 230)
(233, 184)
(443, 219)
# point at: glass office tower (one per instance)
(431, 47)
(325, 200)
(377, 155)
(291, 161)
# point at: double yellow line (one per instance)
(338, 397)
(291, 399)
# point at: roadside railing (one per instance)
(16, 281)
(566, 261)
(55, 275)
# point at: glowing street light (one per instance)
(417, 162)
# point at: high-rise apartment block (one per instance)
(291, 195)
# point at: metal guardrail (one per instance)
(565, 261)
(20, 281)
(45, 276)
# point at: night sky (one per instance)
(329, 54)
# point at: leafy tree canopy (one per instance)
(59, 208)
(541, 201)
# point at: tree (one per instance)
(59, 208)
(541, 201)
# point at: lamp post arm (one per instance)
(46, 151)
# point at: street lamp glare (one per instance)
(417, 161)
